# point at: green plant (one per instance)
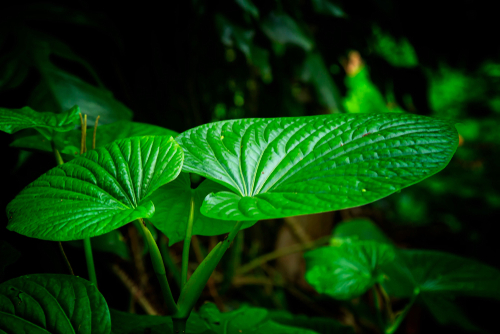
(254, 168)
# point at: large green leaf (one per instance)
(301, 165)
(250, 320)
(97, 192)
(13, 120)
(47, 303)
(432, 272)
(172, 207)
(348, 270)
(106, 134)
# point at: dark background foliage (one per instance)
(186, 63)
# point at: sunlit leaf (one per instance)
(348, 270)
(13, 120)
(302, 165)
(172, 208)
(47, 303)
(97, 192)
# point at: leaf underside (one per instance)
(48, 303)
(97, 192)
(302, 165)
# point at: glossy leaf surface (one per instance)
(302, 165)
(172, 207)
(106, 134)
(13, 120)
(48, 303)
(348, 270)
(97, 192)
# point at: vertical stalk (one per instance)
(90, 260)
(187, 243)
(193, 288)
(393, 328)
(159, 269)
(169, 263)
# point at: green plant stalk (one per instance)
(187, 243)
(159, 269)
(376, 299)
(169, 263)
(233, 262)
(393, 327)
(90, 260)
(193, 288)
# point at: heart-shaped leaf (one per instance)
(172, 208)
(293, 166)
(47, 303)
(106, 134)
(348, 270)
(97, 192)
(13, 120)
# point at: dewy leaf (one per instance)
(13, 120)
(348, 270)
(359, 229)
(432, 272)
(106, 134)
(172, 206)
(48, 303)
(250, 320)
(302, 165)
(97, 192)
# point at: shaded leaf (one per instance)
(248, 7)
(172, 207)
(348, 270)
(282, 29)
(447, 312)
(13, 120)
(245, 320)
(111, 242)
(317, 324)
(327, 7)
(47, 303)
(361, 229)
(97, 192)
(302, 165)
(106, 134)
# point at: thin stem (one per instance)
(281, 252)
(172, 267)
(66, 259)
(159, 269)
(90, 260)
(95, 130)
(378, 307)
(193, 288)
(393, 328)
(57, 155)
(187, 242)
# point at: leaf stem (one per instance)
(193, 288)
(172, 267)
(95, 131)
(394, 326)
(187, 243)
(90, 260)
(66, 259)
(159, 269)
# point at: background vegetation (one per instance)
(201, 61)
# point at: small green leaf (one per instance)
(282, 29)
(250, 320)
(327, 7)
(97, 192)
(302, 165)
(349, 270)
(13, 120)
(111, 242)
(47, 303)
(248, 7)
(172, 207)
(360, 229)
